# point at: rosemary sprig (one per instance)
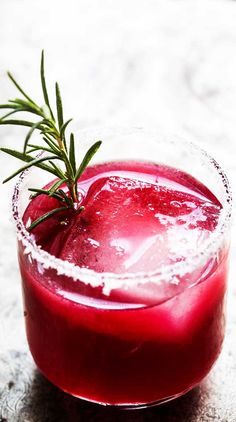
(55, 147)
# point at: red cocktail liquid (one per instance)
(133, 344)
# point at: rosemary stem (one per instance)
(73, 192)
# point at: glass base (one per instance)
(123, 406)
(133, 406)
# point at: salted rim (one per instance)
(108, 280)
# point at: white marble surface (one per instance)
(165, 64)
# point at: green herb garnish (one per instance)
(55, 147)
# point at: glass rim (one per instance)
(109, 280)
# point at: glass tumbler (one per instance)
(102, 349)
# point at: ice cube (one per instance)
(131, 225)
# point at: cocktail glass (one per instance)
(134, 339)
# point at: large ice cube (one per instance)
(130, 225)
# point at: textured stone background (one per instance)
(167, 64)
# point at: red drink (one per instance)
(128, 337)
